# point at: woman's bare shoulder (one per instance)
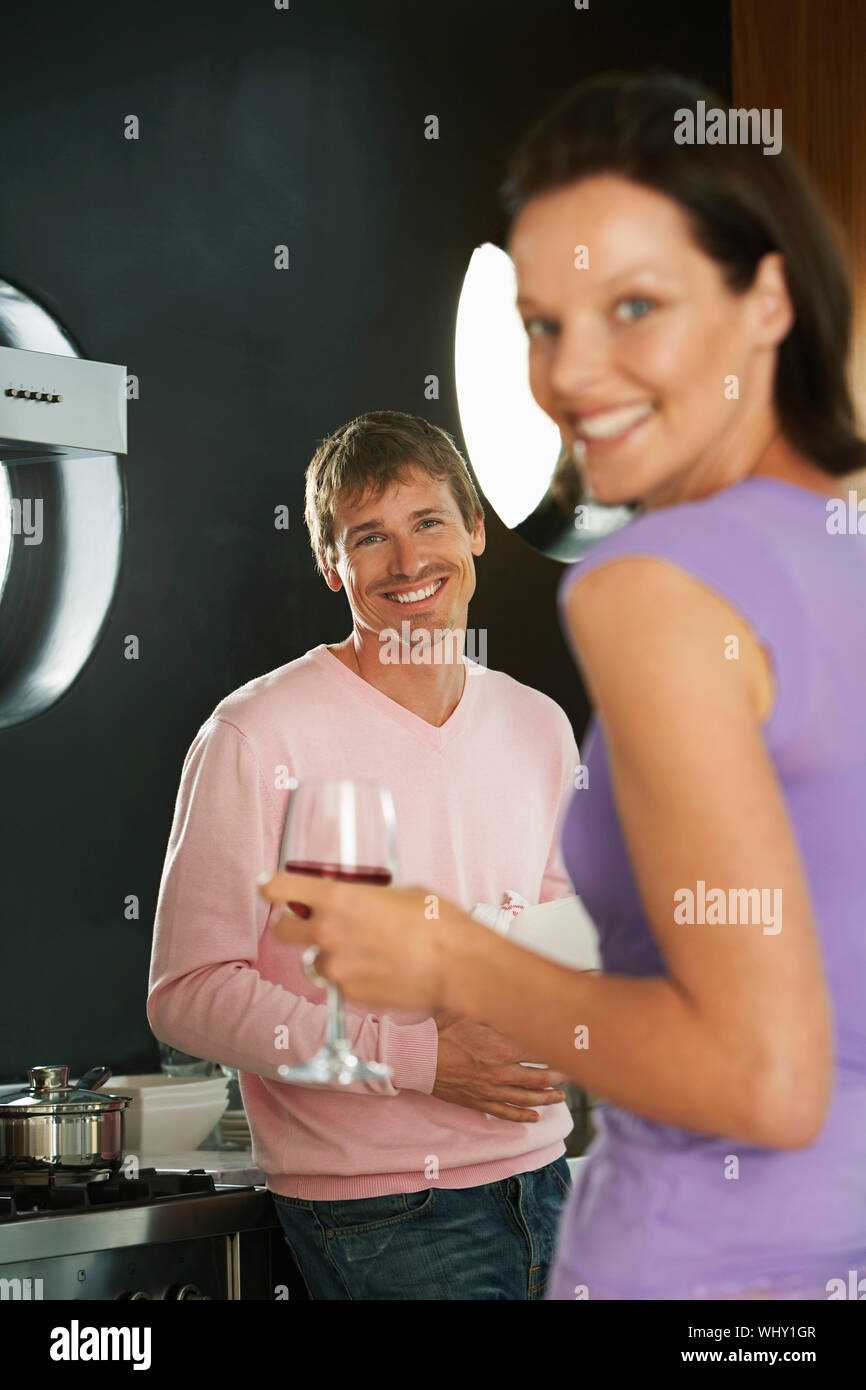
(644, 616)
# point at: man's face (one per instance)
(412, 538)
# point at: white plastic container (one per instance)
(169, 1114)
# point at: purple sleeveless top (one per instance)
(652, 1214)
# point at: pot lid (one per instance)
(50, 1093)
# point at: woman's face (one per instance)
(639, 339)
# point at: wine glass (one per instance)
(342, 829)
(173, 1062)
(219, 1140)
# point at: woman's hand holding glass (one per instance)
(377, 945)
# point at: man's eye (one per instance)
(634, 299)
(428, 521)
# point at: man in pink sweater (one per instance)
(446, 1182)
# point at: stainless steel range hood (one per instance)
(63, 506)
(54, 407)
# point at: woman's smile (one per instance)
(604, 430)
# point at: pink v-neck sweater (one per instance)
(479, 804)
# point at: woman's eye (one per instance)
(630, 318)
(539, 328)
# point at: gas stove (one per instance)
(158, 1235)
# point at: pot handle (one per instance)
(91, 1079)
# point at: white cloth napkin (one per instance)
(562, 930)
(501, 918)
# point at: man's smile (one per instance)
(410, 598)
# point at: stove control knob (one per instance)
(139, 1293)
(186, 1291)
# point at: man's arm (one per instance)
(208, 993)
(556, 882)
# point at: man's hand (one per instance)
(480, 1068)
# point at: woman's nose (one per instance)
(580, 362)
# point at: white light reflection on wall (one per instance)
(512, 445)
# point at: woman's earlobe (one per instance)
(777, 307)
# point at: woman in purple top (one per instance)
(719, 839)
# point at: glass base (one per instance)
(336, 1063)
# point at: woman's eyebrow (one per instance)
(525, 301)
(639, 268)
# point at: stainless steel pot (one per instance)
(54, 1132)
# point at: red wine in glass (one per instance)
(342, 829)
(361, 874)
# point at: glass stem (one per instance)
(336, 1018)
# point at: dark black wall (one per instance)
(258, 127)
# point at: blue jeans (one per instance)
(495, 1241)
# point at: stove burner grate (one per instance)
(30, 1199)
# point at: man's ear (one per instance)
(332, 578)
(478, 537)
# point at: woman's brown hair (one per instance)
(741, 203)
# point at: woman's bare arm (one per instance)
(737, 1039)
